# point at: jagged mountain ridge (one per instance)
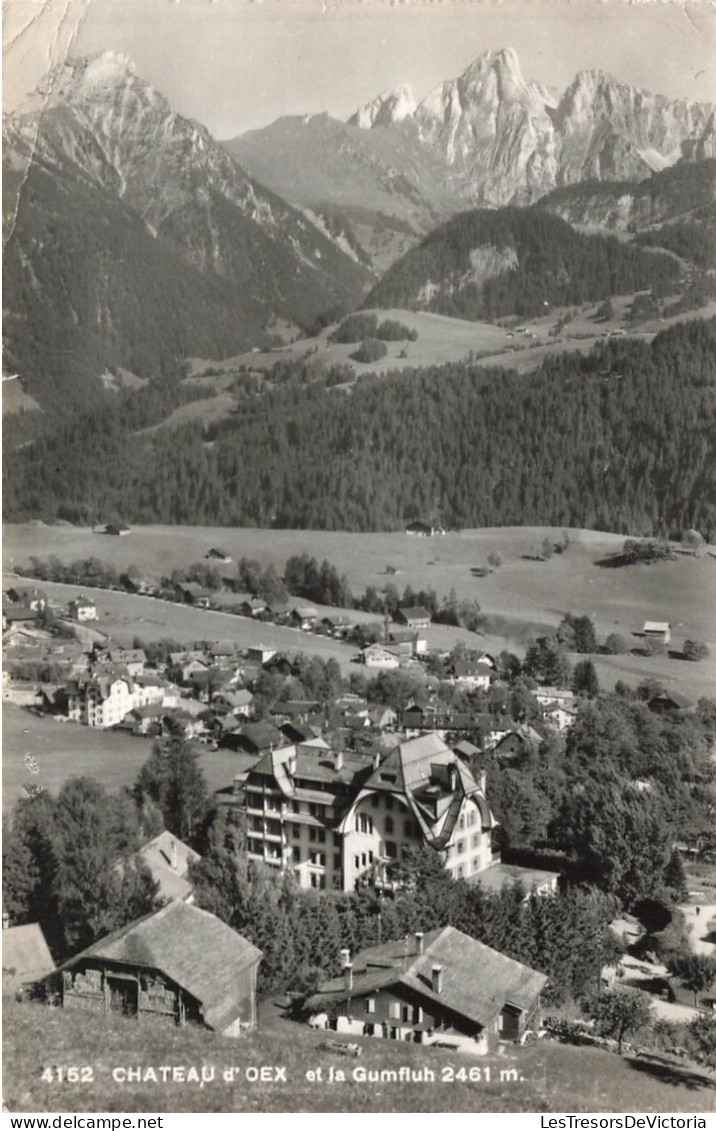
(492, 137)
(99, 131)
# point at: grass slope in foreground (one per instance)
(544, 1077)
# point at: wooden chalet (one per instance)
(179, 963)
(442, 988)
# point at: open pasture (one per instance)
(523, 595)
(65, 750)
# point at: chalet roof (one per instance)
(239, 698)
(13, 613)
(27, 593)
(196, 590)
(477, 981)
(83, 602)
(168, 859)
(262, 735)
(416, 612)
(220, 555)
(305, 611)
(656, 626)
(674, 697)
(25, 954)
(222, 648)
(191, 947)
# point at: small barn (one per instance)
(657, 630)
(179, 963)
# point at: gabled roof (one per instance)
(416, 612)
(656, 626)
(477, 981)
(25, 954)
(192, 947)
(168, 859)
(262, 735)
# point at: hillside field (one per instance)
(64, 750)
(521, 598)
(541, 1078)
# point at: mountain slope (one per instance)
(488, 264)
(103, 143)
(377, 189)
(488, 138)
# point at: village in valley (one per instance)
(373, 853)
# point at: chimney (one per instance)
(339, 760)
(174, 861)
(348, 976)
(437, 979)
(345, 958)
(452, 777)
(376, 760)
(419, 942)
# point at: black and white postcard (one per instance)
(359, 590)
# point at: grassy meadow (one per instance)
(540, 1078)
(63, 750)
(520, 599)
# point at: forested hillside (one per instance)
(484, 265)
(623, 439)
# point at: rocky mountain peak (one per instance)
(390, 107)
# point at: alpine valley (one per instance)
(197, 306)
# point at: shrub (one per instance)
(370, 350)
(355, 328)
(615, 644)
(494, 559)
(695, 650)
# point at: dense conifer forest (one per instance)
(488, 264)
(621, 439)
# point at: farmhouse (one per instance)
(194, 594)
(416, 643)
(179, 963)
(472, 673)
(337, 624)
(83, 609)
(378, 656)
(134, 659)
(216, 555)
(423, 529)
(254, 738)
(304, 617)
(442, 987)
(414, 618)
(118, 529)
(332, 818)
(669, 701)
(551, 696)
(26, 958)
(657, 630)
(518, 743)
(252, 607)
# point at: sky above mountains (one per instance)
(238, 64)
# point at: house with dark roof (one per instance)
(254, 738)
(520, 742)
(471, 673)
(304, 617)
(439, 988)
(179, 964)
(217, 555)
(414, 618)
(668, 702)
(26, 957)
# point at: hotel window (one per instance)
(321, 836)
(389, 824)
(408, 828)
(375, 800)
(394, 1010)
(337, 862)
(460, 871)
(389, 802)
(296, 855)
(356, 863)
(391, 849)
(364, 823)
(461, 822)
(370, 1005)
(460, 847)
(475, 840)
(312, 835)
(406, 1013)
(317, 858)
(296, 830)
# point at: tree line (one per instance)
(484, 447)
